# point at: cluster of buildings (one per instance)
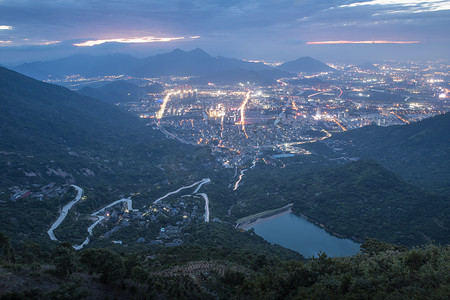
(37, 191)
(172, 216)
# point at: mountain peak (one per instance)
(178, 50)
(305, 64)
(199, 51)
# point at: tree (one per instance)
(108, 264)
(374, 246)
(64, 258)
(7, 251)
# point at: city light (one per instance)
(242, 109)
(160, 113)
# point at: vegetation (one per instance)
(418, 152)
(375, 202)
(382, 271)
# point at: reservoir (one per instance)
(298, 234)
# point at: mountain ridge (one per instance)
(177, 62)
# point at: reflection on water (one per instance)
(298, 234)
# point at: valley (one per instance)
(179, 167)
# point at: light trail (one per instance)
(315, 94)
(304, 142)
(160, 113)
(242, 109)
(340, 125)
(406, 121)
(339, 90)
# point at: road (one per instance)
(129, 203)
(63, 213)
(205, 180)
(236, 185)
(201, 182)
(206, 206)
(164, 131)
(100, 218)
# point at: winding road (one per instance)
(201, 182)
(129, 203)
(64, 211)
(100, 218)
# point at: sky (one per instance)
(275, 30)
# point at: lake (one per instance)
(298, 234)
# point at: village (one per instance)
(170, 216)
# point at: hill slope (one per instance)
(419, 152)
(50, 135)
(36, 116)
(120, 91)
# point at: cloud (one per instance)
(405, 6)
(27, 42)
(5, 27)
(361, 42)
(140, 40)
(45, 43)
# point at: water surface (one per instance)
(298, 234)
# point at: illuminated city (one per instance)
(244, 122)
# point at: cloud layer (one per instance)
(247, 29)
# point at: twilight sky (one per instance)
(329, 30)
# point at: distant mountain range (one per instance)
(196, 62)
(82, 64)
(178, 63)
